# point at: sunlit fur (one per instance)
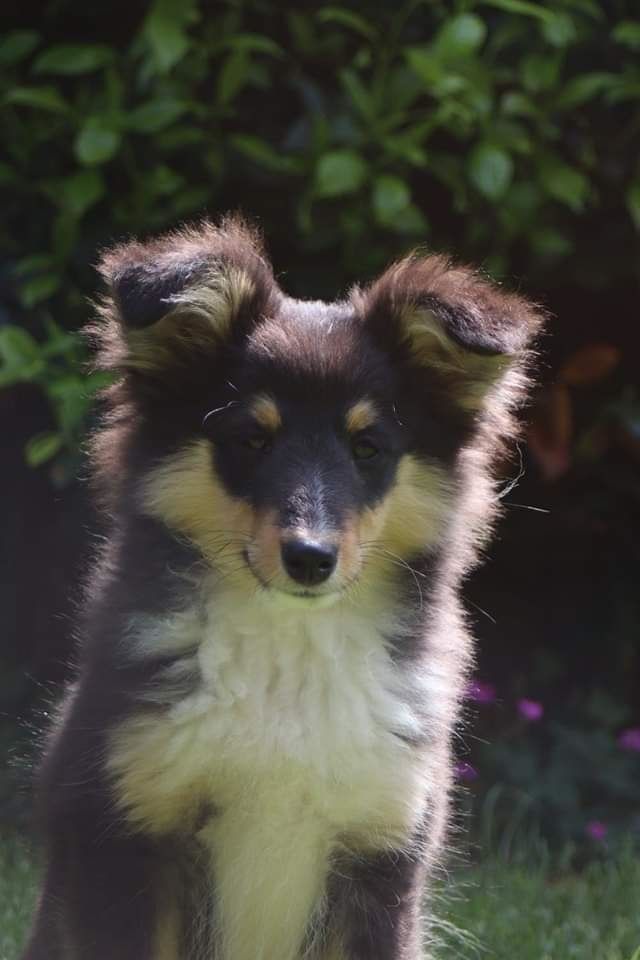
(254, 763)
(361, 415)
(265, 410)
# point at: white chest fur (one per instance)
(296, 734)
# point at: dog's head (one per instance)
(303, 447)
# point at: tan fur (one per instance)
(200, 321)
(142, 760)
(168, 932)
(264, 549)
(412, 514)
(265, 411)
(361, 415)
(467, 375)
(186, 494)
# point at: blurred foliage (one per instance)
(569, 772)
(495, 128)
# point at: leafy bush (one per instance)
(555, 772)
(501, 129)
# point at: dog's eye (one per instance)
(259, 442)
(363, 449)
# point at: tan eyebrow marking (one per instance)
(266, 412)
(361, 415)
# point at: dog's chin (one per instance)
(302, 600)
(296, 598)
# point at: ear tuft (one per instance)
(190, 289)
(447, 318)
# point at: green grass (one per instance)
(17, 896)
(493, 911)
(507, 912)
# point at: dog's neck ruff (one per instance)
(290, 731)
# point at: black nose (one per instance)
(309, 562)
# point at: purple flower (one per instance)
(630, 739)
(465, 771)
(530, 709)
(597, 830)
(480, 692)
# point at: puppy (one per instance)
(255, 758)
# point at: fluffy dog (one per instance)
(255, 758)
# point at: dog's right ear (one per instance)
(467, 332)
(182, 295)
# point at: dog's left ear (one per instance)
(171, 301)
(446, 318)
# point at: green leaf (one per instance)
(540, 72)
(17, 346)
(347, 18)
(627, 33)
(560, 30)
(164, 29)
(73, 58)
(439, 80)
(39, 288)
(155, 115)
(627, 87)
(165, 181)
(547, 242)
(523, 7)
(461, 35)
(633, 203)
(61, 344)
(339, 172)
(490, 170)
(233, 75)
(516, 104)
(583, 88)
(17, 45)
(425, 64)
(263, 153)
(71, 401)
(19, 354)
(303, 32)
(34, 263)
(42, 447)
(564, 183)
(64, 234)
(98, 380)
(188, 202)
(411, 220)
(360, 96)
(82, 190)
(391, 196)
(96, 142)
(255, 43)
(42, 98)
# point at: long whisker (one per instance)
(399, 562)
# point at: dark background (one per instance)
(504, 132)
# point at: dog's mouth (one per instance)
(304, 599)
(307, 596)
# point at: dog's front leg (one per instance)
(99, 902)
(376, 903)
